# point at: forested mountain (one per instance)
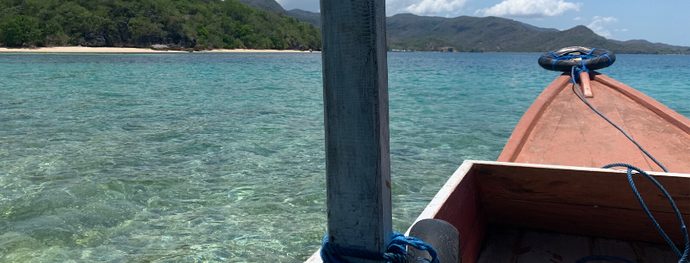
(123, 23)
(306, 16)
(495, 34)
(265, 5)
(485, 34)
(275, 7)
(232, 24)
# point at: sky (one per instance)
(665, 21)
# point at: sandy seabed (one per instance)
(134, 50)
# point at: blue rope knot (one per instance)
(396, 253)
(576, 76)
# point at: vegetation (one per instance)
(265, 5)
(203, 24)
(275, 7)
(482, 34)
(141, 23)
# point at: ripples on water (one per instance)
(219, 157)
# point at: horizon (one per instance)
(617, 20)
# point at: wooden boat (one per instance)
(529, 208)
(546, 200)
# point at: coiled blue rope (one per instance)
(396, 252)
(686, 253)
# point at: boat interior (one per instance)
(511, 245)
(512, 212)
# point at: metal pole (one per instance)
(355, 83)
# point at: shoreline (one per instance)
(136, 50)
(130, 50)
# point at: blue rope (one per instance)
(582, 97)
(396, 253)
(683, 257)
(686, 253)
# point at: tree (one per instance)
(201, 32)
(143, 30)
(216, 23)
(18, 30)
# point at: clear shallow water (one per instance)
(219, 157)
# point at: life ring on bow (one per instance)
(586, 58)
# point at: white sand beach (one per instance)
(133, 50)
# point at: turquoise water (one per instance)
(219, 157)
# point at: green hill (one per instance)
(265, 5)
(484, 34)
(306, 16)
(275, 7)
(177, 23)
(232, 24)
(495, 34)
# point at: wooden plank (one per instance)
(667, 143)
(668, 114)
(356, 124)
(552, 247)
(586, 88)
(509, 245)
(612, 146)
(585, 220)
(570, 133)
(462, 211)
(473, 244)
(615, 248)
(653, 253)
(580, 186)
(499, 245)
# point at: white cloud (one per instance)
(598, 24)
(398, 6)
(432, 7)
(578, 18)
(530, 8)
